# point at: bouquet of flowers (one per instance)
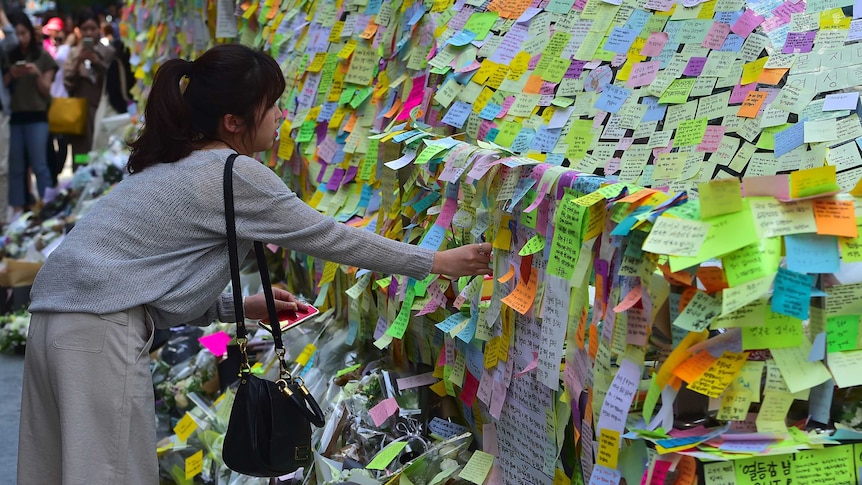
(13, 331)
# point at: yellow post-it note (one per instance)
(362, 66)
(720, 374)
(723, 196)
(799, 374)
(676, 237)
(736, 297)
(609, 448)
(194, 465)
(773, 412)
(384, 458)
(476, 470)
(185, 427)
(778, 331)
(734, 406)
(813, 181)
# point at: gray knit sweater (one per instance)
(158, 239)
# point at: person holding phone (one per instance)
(152, 253)
(29, 79)
(84, 75)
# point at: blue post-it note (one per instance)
(812, 253)
(612, 98)
(457, 114)
(818, 348)
(620, 39)
(788, 139)
(792, 293)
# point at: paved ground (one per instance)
(11, 368)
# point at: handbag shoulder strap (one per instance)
(294, 388)
(230, 226)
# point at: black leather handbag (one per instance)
(269, 433)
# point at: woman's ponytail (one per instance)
(227, 79)
(167, 135)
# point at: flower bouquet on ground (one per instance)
(13, 332)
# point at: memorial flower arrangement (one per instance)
(13, 331)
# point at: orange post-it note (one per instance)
(712, 277)
(835, 217)
(693, 368)
(630, 300)
(521, 299)
(752, 103)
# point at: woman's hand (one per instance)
(255, 305)
(472, 259)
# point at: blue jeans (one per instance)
(28, 145)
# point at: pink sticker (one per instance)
(216, 343)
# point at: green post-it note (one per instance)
(533, 246)
(677, 92)
(717, 243)
(778, 331)
(481, 23)
(842, 333)
(347, 370)
(723, 196)
(476, 470)
(386, 455)
(690, 132)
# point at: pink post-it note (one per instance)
(215, 343)
(383, 410)
(654, 44)
(746, 23)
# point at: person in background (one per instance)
(84, 75)
(53, 36)
(58, 145)
(8, 41)
(152, 253)
(28, 73)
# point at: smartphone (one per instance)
(87, 43)
(290, 318)
(21, 63)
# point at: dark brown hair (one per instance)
(227, 79)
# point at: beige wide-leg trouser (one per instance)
(87, 410)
